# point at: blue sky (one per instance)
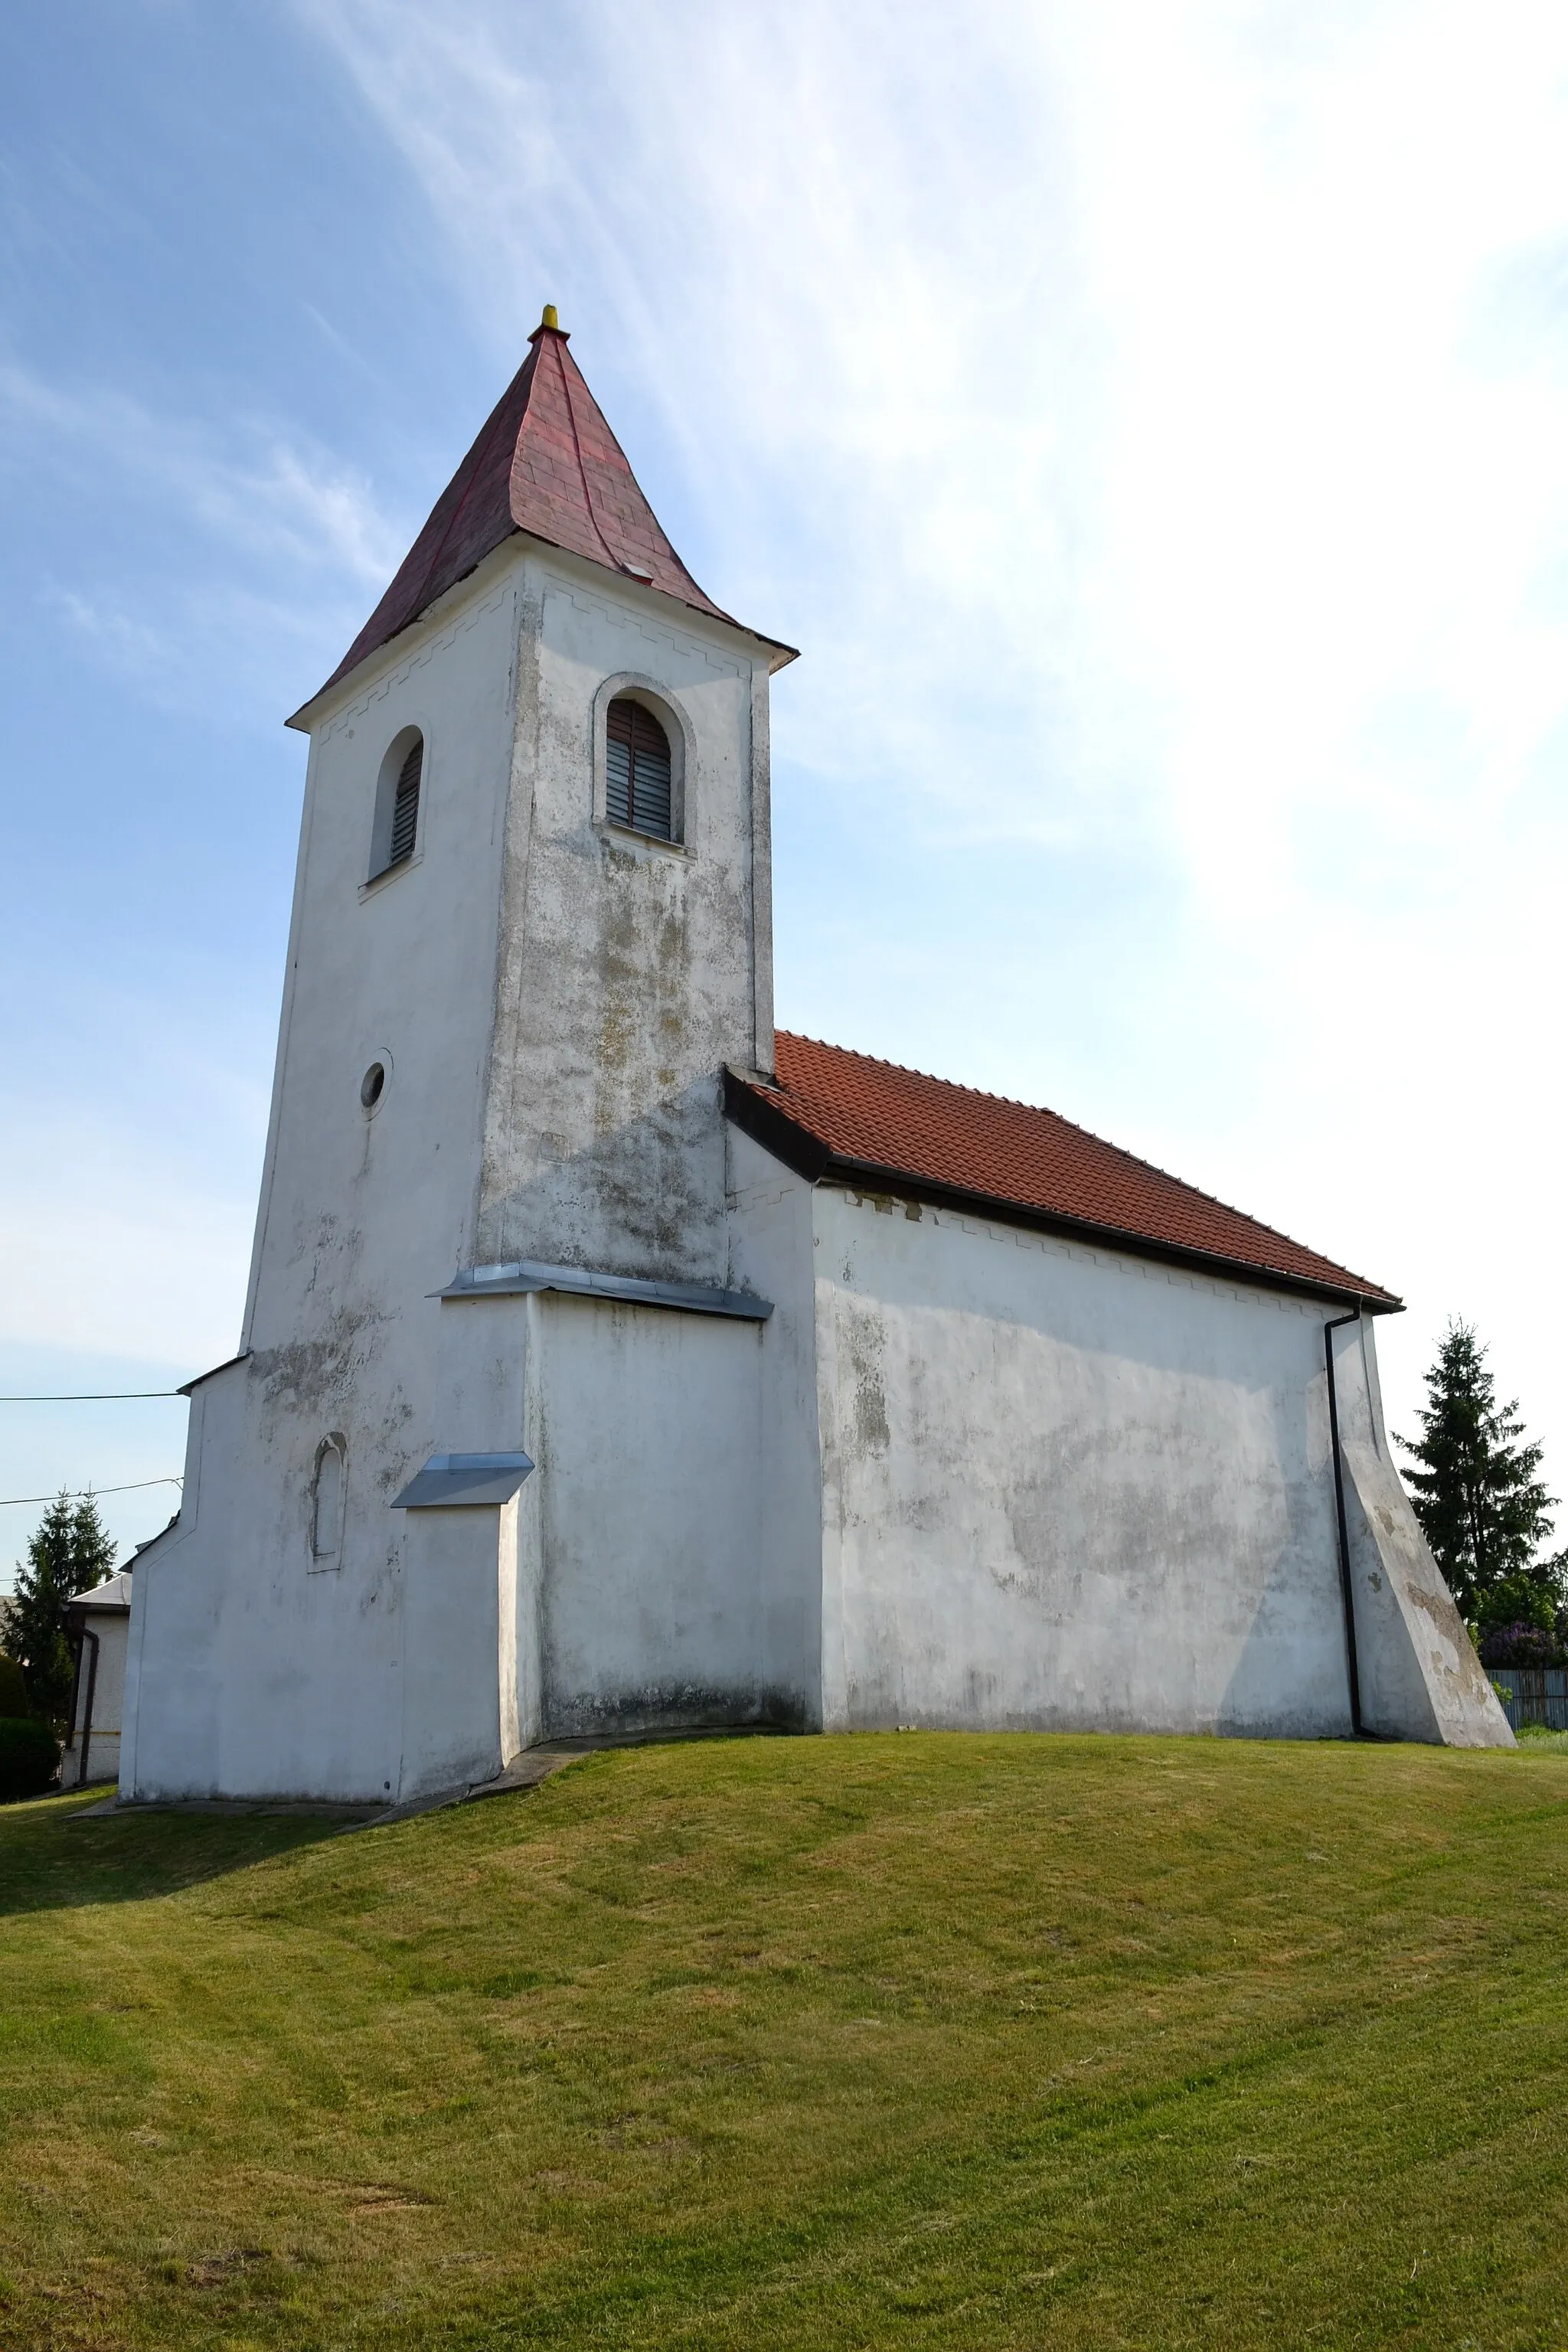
(1148, 419)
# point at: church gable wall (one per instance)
(1068, 1489)
(628, 968)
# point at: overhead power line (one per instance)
(75, 1494)
(93, 1396)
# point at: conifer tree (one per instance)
(93, 1545)
(1481, 1507)
(70, 1552)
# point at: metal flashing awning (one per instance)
(227, 1366)
(464, 1481)
(526, 1274)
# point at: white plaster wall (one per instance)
(771, 1255)
(624, 975)
(650, 1501)
(630, 967)
(112, 1627)
(1068, 1489)
(459, 1694)
(359, 1212)
(255, 1671)
(254, 1674)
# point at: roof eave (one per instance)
(342, 685)
(704, 612)
(780, 656)
(768, 1124)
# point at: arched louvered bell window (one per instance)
(406, 804)
(637, 769)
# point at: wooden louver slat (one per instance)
(405, 804)
(636, 770)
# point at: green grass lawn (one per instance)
(914, 2040)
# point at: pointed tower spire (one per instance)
(545, 462)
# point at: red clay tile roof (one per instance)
(832, 1112)
(547, 463)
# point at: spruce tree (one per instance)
(93, 1545)
(69, 1553)
(1481, 1507)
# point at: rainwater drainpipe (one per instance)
(87, 1635)
(1346, 1592)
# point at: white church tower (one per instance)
(531, 927)
(612, 1363)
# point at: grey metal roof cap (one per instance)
(464, 1482)
(523, 1276)
(113, 1594)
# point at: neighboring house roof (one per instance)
(831, 1113)
(114, 1592)
(545, 462)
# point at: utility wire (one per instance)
(93, 1396)
(75, 1494)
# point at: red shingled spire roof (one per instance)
(831, 1113)
(545, 462)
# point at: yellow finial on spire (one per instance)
(550, 319)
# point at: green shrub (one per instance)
(29, 1757)
(14, 1699)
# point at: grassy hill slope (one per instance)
(912, 2040)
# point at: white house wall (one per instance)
(1068, 1489)
(112, 1627)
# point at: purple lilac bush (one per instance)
(1520, 1644)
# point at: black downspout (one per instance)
(70, 1711)
(1346, 1593)
(87, 1712)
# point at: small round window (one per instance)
(371, 1084)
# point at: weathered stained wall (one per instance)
(410, 1663)
(255, 1669)
(358, 1209)
(630, 967)
(1068, 1489)
(560, 1069)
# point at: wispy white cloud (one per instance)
(254, 550)
(256, 490)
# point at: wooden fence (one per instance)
(1533, 1695)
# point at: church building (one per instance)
(613, 1361)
